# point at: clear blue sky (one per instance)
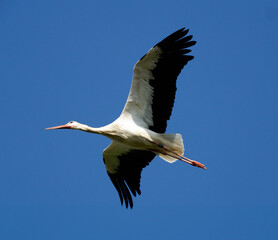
(73, 60)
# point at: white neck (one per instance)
(89, 129)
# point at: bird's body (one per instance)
(131, 134)
(138, 134)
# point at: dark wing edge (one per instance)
(127, 176)
(170, 63)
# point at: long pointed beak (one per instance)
(60, 127)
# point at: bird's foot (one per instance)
(197, 164)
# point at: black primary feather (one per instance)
(128, 175)
(170, 63)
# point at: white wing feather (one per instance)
(111, 155)
(139, 100)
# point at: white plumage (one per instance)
(138, 134)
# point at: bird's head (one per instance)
(70, 125)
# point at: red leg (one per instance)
(182, 158)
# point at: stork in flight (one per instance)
(138, 134)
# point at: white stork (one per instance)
(138, 134)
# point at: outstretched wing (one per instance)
(152, 94)
(124, 166)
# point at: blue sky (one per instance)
(73, 60)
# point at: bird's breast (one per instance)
(132, 135)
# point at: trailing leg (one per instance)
(172, 154)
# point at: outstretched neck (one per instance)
(89, 129)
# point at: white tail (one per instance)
(174, 142)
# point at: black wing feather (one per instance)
(129, 174)
(168, 67)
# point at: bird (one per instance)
(138, 134)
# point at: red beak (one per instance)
(60, 127)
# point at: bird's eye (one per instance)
(71, 122)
